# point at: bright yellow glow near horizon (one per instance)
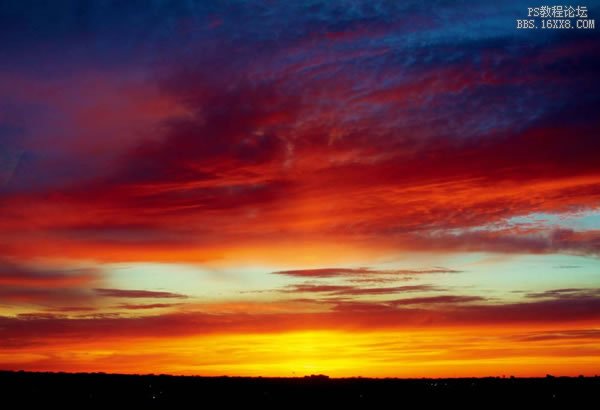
(400, 353)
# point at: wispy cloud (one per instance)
(131, 293)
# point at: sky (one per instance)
(264, 188)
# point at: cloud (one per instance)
(72, 309)
(510, 241)
(315, 288)
(323, 272)
(358, 272)
(17, 296)
(426, 312)
(19, 275)
(345, 290)
(336, 310)
(38, 316)
(443, 299)
(264, 151)
(424, 305)
(579, 334)
(146, 306)
(566, 293)
(581, 308)
(51, 286)
(130, 293)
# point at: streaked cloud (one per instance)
(131, 293)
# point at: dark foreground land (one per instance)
(197, 392)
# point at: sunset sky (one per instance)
(282, 188)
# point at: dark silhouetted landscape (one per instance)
(171, 391)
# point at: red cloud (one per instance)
(279, 157)
(12, 274)
(444, 310)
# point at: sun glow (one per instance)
(394, 353)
